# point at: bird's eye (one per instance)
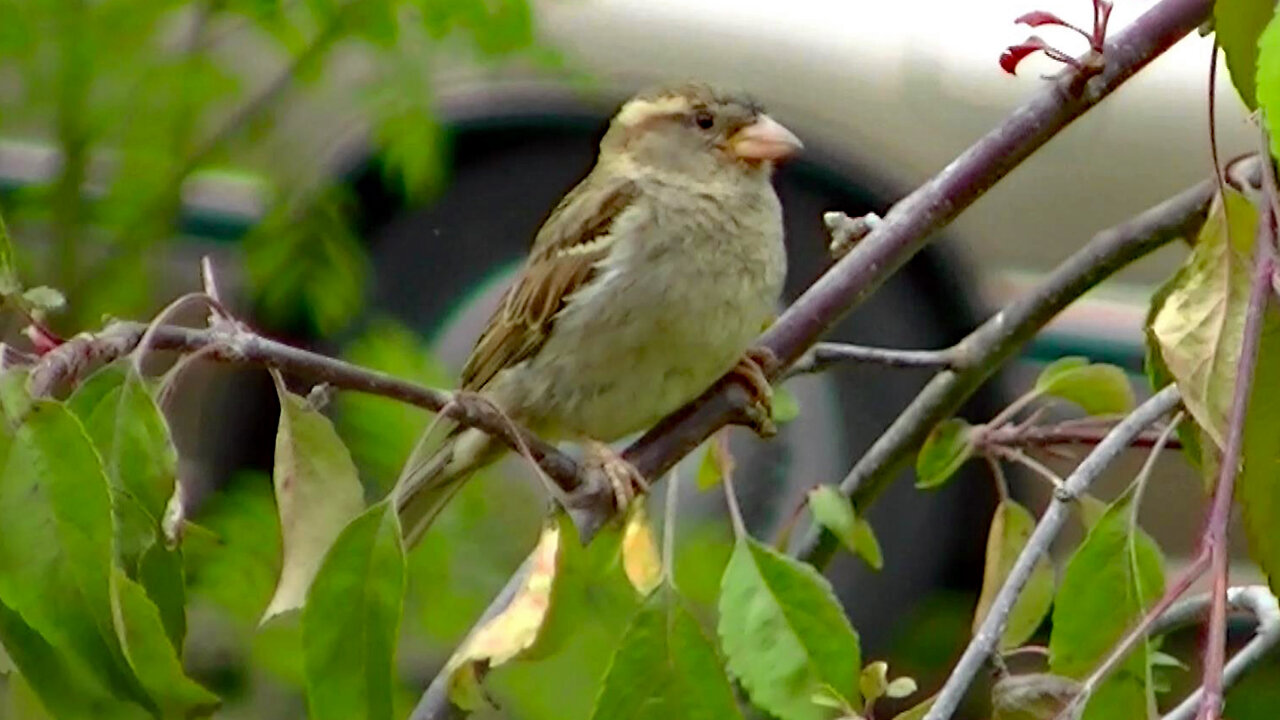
(704, 120)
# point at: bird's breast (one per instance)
(671, 310)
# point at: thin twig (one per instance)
(1051, 435)
(1047, 529)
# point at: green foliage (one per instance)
(948, 446)
(665, 667)
(165, 89)
(352, 618)
(1238, 23)
(785, 406)
(132, 437)
(784, 632)
(381, 431)
(835, 512)
(1109, 581)
(1098, 389)
(317, 493)
(1011, 528)
(1268, 74)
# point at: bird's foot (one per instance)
(752, 372)
(624, 479)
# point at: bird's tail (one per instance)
(440, 463)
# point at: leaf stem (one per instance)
(735, 512)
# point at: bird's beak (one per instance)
(765, 139)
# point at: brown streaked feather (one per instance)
(563, 259)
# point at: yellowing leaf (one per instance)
(1200, 326)
(1036, 696)
(640, 559)
(1098, 389)
(516, 628)
(317, 493)
(1010, 529)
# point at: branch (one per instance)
(1057, 435)
(824, 355)
(1003, 335)
(1047, 529)
(1256, 599)
(243, 347)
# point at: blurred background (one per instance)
(367, 173)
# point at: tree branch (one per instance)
(1003, 335)
(1047, 529)
(243, 347)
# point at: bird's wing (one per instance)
(573, 239)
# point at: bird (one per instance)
(644, 286)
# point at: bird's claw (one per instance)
(752, 371)
(624, 479)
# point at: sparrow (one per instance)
(645, 285)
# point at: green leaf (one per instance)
(1268, 86)
(66, 687)
(948, 446)
(1098, 389)
(317, 493)
(160, 572)
(785, 406)
(381, 432)
(1011, 528)
(709, 468)
(784, 632)
(55, 509)
(152, 656)
(1111, 579)
(874, 680)
(352, 618)
(1238, 23)
(833, 511)
(900, 688)
(236, 565)
(132, 438)
(665, 667)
